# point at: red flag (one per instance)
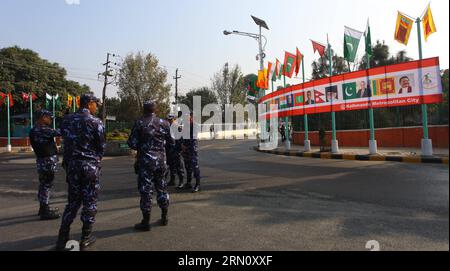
(318, 48)
(299, 58)
(11, 101)
(289, 64)
(25, 97)
(2, 98)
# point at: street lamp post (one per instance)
(258, 37)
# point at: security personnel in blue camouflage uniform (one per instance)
(174, 159)
(150, 136)
(190, 157)
(42, 139)
(84, 144)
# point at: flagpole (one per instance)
(307, 144)
(54, 123)
(334, 142)
(31, 109)
(8, 147)
(373, 149)
(286, 119)
(427, 146)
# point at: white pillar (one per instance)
(373, 149)
(8, 148)
(334, 146)
(307, 147)
(427, 147)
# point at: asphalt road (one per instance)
(249, 201)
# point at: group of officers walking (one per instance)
(84, 142)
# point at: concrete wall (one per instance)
(386, 137)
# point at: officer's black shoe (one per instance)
(164, 217)
(180, 186)
(44, 206)
(196, 188)
(87, 239)
(145, 223)
(63, 237)
(47, 213)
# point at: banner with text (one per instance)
(409, 83)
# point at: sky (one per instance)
(188, 34)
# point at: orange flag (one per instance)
(428, 23)
(403, 28)
(77, 100)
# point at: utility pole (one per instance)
(176, 86)
(106, 75)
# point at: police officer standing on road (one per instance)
(150, 136)
(174, 158)
(84, 144)
(190, 157)
(42, 139)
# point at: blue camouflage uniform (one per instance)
(44, 146)
(84, 144)
(173, 154)
(190, 155)
(150, 136)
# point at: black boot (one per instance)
(63, 237)
(145, 223)
(180, 184)
(196, 187)
(87, 239)
(164, 217)
(47, 213)
(172, 181)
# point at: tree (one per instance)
(320, 68)
(208, 97)
(381, 57)
(23, 70)
(141, 79)
(229, 86)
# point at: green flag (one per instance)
(57, 102)
(48, 101)
(281, 71)
(289, 64)
(368, 40)
(350, 91)
(351, 43)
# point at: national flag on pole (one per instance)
(69, 100)
(262, 79)
(57, 102)
(77, 101)
(351, 43)
(26, 97)
(289, 64)
(298, 61)
(48, 101)
(281, 71)
(271, 72)
(278, 68)
(318, 48)
(252, 89)
(368, 39)
(428, 23)
(11, 100)
(2, 97)
(403, 28)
